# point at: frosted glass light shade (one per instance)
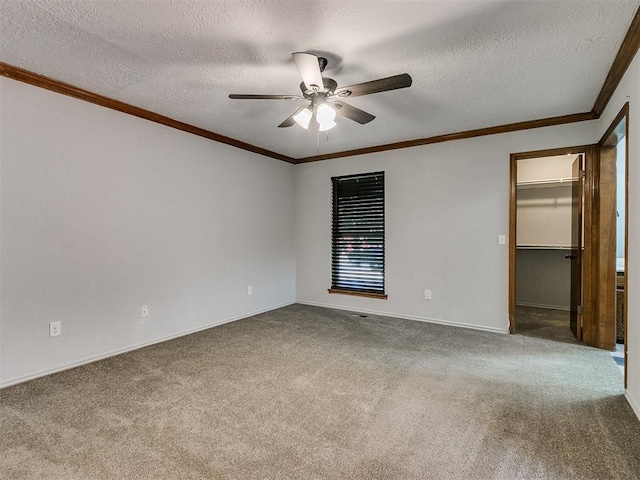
(325, 116)
(303, 117)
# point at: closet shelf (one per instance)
(549, 182)
(543, 247)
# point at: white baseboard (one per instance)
(408, 317)
(539, 305)
(112, 353)
(634, 405)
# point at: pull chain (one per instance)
(318, 141)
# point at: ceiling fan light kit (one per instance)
(324, 95)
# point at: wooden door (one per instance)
(577, 195)
(606, 270)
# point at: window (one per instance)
(357, 246)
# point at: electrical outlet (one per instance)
(249, 290)
(144, 311)
(427, 294)
(55, 329)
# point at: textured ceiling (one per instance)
(474, 63)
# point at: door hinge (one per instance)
(579, 309)
(582, 174)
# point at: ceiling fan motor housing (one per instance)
(329, 86)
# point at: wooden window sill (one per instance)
(381, 296)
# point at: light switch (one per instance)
(502, 239)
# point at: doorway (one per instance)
(547, 242)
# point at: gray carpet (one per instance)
(312, 393)
(545, 323)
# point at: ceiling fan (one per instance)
(325, 96)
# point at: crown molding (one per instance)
(47, 83)
(480, 132)
(621, 63)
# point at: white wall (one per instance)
(629, 91)
(445, 206)
(544, 216)
(543, 279)
(102, 212)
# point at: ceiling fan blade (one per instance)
(375, 86)
(290, 121)
(351, 112)
(264, 97)
(309, 69)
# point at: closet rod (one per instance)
(543, 247)
(548, 181)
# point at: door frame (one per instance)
(609, 139)
(588, 297)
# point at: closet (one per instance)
(543, 232)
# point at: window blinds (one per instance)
(357, 254)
